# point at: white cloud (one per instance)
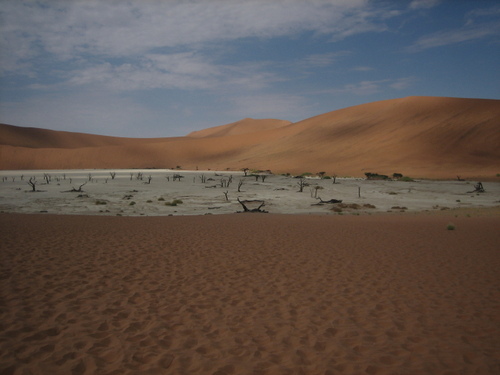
(185, 71)
(72, 29)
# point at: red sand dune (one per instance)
(417, 136)
(249, 294)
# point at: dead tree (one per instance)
(203, 178)
(113, 174)
(223, 183)
(32, 182)
(149, 179)
(321, 175)
(314, 191)
(245, 171)
(79, 190)
(258, 209)
(263, 177)
(225, 194)
(302, 183)
(478, 188)
(47, 178)
(240, 183)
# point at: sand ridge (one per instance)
(249, 294)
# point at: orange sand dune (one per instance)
(417, 136)
(244, 126)
(249, 294)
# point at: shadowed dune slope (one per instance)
(417, 136)
(44, 138)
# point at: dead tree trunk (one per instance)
(32, 183)
(79, 190)
(329, 201)
(302, 183)
(478, 188)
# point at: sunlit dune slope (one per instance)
(417, 136)
(244, 126)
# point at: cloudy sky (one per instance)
(151, 68)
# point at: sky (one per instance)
(151, 68)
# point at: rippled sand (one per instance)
(249, 294)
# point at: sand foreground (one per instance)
(249, 294)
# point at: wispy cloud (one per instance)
(423, 4)
(479, 24)
(268, 105)
(362, 68)
(186, 71)
(443, 38)
(76, 29)
(370, 87)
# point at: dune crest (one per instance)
(431, 137)
(245, 126)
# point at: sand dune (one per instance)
(417, 136)
(249, 294)
(244, 126)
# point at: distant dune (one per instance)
(430, 137)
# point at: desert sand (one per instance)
(250, 294)
(421, 137)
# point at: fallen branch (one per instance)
(258, 209)
(79, 190)
(330, 201)
(478, 188)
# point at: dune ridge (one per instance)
(420, 136)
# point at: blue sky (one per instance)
(156, 68)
